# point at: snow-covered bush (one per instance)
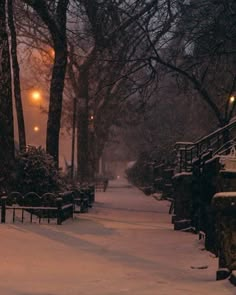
(36, 171)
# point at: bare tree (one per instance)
(111, 30)
(6, 113)
(54, 16)
(200, 50)
(105, 50)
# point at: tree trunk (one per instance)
(56, 24)
(6, 112)
(56, 95)
(82, 129)
(16, 78)
(91, 152)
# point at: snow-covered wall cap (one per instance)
(224, 202)
(225, 195)
(224, 171)
(182, 174)
(184, 143)
(212, 159)
(130, 164)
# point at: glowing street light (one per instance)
(232, 99)
(91, 122)
(52, 53)
(36, 95)
(36, 128)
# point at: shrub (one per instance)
(36, 171)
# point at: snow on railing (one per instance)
(211, 143)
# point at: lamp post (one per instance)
(73, 138)
(91, 146)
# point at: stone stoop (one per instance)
(182, 224)
(222, 274)
(232, 278)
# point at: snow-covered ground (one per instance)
(124, 245)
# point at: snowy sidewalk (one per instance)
(124, 245)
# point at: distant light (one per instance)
(36, 95)
(232, 99)
(36, 128)
(91, 117)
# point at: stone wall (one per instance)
(224, 208)
(182, 184)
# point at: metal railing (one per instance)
(187, 152)
(60, 212)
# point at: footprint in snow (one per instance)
(199, 267)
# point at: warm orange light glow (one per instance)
(36, 128)
(36, 95)
(232, 99)
(52, 53)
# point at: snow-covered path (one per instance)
(124, 245)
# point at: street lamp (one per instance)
(36, 128)
(52, 53)
(36, 98)
(91, 145)
(91, 122)
(36, 95)
(232, 99)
